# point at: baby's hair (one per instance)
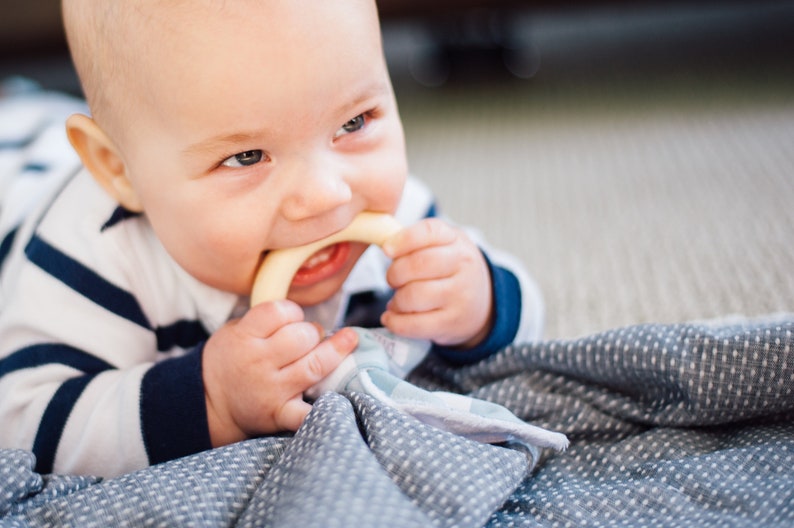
(100, 35)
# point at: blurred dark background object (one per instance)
(468, 40)
(440, 42)
(30, 26)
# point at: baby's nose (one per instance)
(316, 189)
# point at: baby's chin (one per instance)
(316, 293)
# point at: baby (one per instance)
(220, 131)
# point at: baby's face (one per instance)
(263, 125)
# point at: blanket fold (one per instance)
(380, 363)
(712, 445)
(355, 462)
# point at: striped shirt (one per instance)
(101, 332)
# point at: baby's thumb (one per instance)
(344, 341)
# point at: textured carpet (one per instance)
(658, 197)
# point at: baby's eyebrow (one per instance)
(220, 142)
(368, 92)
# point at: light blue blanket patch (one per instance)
(382, 360)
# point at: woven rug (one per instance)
(637, 199)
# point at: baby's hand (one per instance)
(442, 285)
(256, 369)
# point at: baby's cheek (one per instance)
(392, 187)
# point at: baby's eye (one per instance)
(357, 123)
(244, 159)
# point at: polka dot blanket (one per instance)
(670, 425)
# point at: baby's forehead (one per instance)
(140, 53)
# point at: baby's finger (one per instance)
(292, 413)
(435, 262)
(420, 296)
(422, 325)
(321, 361)
(428, 232)
(292, 342)
(265, 319)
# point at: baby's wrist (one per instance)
(478, 338)
(222, 428)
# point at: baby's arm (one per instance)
(256, 369)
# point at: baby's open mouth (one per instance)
(322, 256)
(322, 264)
(272, 278)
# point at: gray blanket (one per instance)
(669, 425)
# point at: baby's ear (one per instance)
(102, 159)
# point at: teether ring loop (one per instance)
(274, 276)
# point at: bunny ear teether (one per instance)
(274, 276)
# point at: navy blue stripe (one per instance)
(119, 215)
(5, 245)
(54, 420)
(17, 144)
(35, 167)
(432, 211)
(85, 281)
(174, 409)
(50, 353)
(183, 334)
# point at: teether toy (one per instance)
(274, 276)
